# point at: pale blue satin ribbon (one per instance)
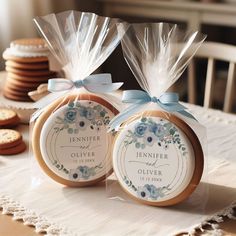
(97, 83)
(167, 101)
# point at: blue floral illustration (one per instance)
(102, 113)
(82, 124)
(150, 139)
(160, 130)
(143, 193)
(140, 129)
(78, 117)
(90, 114)
(81, 172)
(82, 111)
(70, 115)
(148, 191)
(84, 172)
(74, 174)
(148, 133)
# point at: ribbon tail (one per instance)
(176, 107)
(48, 99)
(43, 102)
(100, 78)
(172, 107)
(123, 116)
(187, 114)
(59, 84)
(103, 88)
(35, 115)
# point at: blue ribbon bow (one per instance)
(167, 101)
(96, 83)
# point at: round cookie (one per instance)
(40, 127)
(34, 73)
(27, 51)
(16, 88)
(30, 78)
(15, 92)
(24, 59)
(13, 150)
(23, 84)
(27, 66)
(17, 98)
(9, 138)
(8, 117)
(29, 44)
(157, 158)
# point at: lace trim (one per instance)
(211, 225)
(42, 224)
(29, 217)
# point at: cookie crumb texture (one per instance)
(11, 142)
(8, 118)
(9, 138)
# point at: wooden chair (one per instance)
(213, 51)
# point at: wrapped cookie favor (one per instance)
(157, 156)
(69, 134)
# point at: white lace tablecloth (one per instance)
(61, 210)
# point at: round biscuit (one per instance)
(30, 42)
(15, 92)
(23, 84)
(17, 88)
(28, 66)
(27, 50)
(24, 72)
(8, 117)
(38, 128)
(9, 138)
(18, 82)
(14, 150)
(24, 59)
(16, 98)
(30, 78)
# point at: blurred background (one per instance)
(217, 19)
(16, 17)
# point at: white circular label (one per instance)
(153, 159)
(74, 141)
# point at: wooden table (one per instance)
(8, 227)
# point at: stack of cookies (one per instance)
(11, 141)
(27, 66)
